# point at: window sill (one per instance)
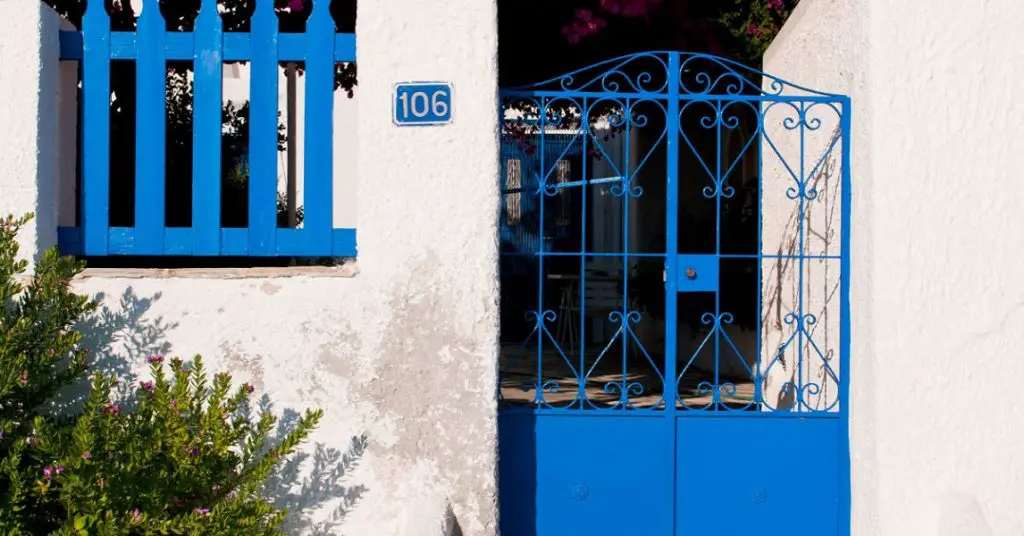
(347, 270)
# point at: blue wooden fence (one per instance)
(151, 46)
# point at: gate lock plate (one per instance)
(697, 273)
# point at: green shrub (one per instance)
(184, 455)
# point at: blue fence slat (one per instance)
(263, 132)
(95, 129)
(151, 120)
(344, 243)
(318, 213)
(345, 47)
(206, 131)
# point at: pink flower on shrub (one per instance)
(147, 385)
(249, 388)
(155, 359)
(86, 455)
(136, 516)
(296, 5)
(112, 409)
(49, 472)
(23, 378)
(775, 4)
(201, 511)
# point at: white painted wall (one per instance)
(401, 347)
(937, 319)
(29, 49)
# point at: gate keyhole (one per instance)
(691, 273)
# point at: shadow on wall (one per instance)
(802, 295)
(121, 336)
(117, 337)
(322, 487)
(310, 485)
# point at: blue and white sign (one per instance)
(423, 103)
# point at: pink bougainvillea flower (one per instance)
(630, 8)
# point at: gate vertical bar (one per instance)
(845, 499)
(716, 394)
(542, 108)
(584, 192)
(582, 320)
(801, 250)
(758, 334)
(671, 268)
(626, 184)
(206, 131)
(151, 122)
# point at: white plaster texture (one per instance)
(937, 301)
(402, 351)
(29, 52)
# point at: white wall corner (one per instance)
(29, 106)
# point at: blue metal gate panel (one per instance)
(790, 487)
(675, 344)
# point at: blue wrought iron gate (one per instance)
(675, 233)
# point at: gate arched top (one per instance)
(659, 74)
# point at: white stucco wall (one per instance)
(399, 348)
(29, 49)
(937, 321)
